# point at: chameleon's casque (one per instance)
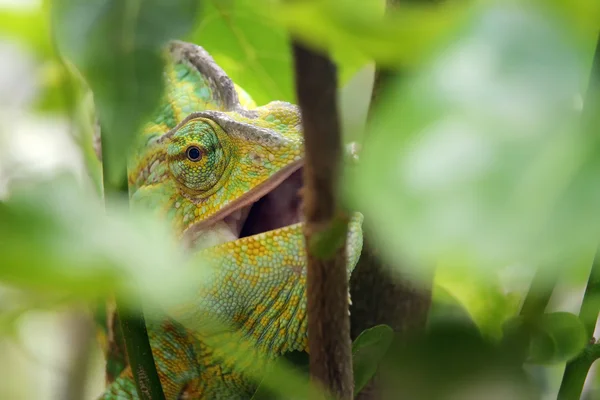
(226, 176)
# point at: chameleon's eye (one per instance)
(194, 154)
(198, 155)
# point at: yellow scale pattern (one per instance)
(258, 284)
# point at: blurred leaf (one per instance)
(117, 46)
(459, 360)
(354, 100)
(16, 303)
(30, 28)
(542, 348)
(55, 238)
(446, 308)
(325, 243)
(86, 135)
(481, 295)
(557, 337)
(295, 360)
(479, 161)
(547, 339)
(250, 45)
(356, 32)
(52, 77)
(582, 15)
(367, 351)
(249, 39)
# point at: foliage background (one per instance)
(503, 85)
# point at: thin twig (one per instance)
(539, 293)
(577, 369)
(590, 305)
(327, 283)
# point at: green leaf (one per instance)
(452, 360)
(446, 307)
(325, 243)
(367, 351)
(557, 337)
(117, 46)
(250, 40)
(481, 295)
(29, 27)
(250, 45)
(354, 100)
(545, 339)
(582, 15)
(480, 160)
(356, 32)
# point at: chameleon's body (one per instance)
(204, 162)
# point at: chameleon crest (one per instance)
(206, 160)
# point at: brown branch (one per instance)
(327, 282)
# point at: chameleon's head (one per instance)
(215, 169)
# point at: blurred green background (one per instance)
(477, 162)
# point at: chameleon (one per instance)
(225, 174)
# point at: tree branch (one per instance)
(327, 283)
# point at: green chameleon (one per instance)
(226, 175)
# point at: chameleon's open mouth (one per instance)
(278, 208)
(272, 205)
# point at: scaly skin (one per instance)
(255, 286)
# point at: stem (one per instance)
(590, 306)
(327, 280)
(133, 323)
(577, 369)
(576, 372)
(539, 294)
(139, 354)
